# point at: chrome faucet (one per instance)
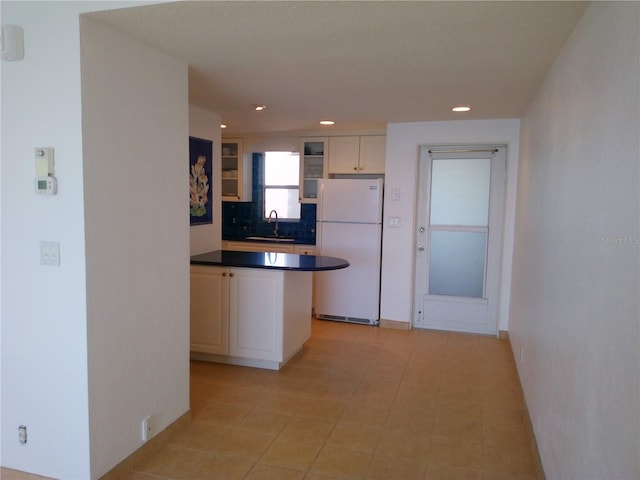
(271, 213)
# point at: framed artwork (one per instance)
(200, 194)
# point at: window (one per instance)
(281, 184)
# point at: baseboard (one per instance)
(394, 324)
(527, 418)
(11, 474)
(123, 469)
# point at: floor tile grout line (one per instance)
(439, 398)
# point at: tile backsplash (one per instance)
(244, 219)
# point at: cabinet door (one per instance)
(236, 172)
(372, 154)
(313, 165)
(209, 310)
(256, 325)
(344, 154)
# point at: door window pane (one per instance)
(460, 191)
(457, 263)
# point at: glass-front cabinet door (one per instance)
(236, 172)
(313, 165)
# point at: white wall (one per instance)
(205, 124)
(136, 150)
(398, 244)
(44, 311)
(574, 309)
(44, 358)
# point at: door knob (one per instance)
(420, 248)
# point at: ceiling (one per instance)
(362, 64)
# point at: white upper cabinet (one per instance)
(313, 165)
(344, 154)
(357, 154)
(372, 154)
(236, 172)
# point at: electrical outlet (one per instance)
(22, 434)
(147, 428)
(50, 253)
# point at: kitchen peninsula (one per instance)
(252, 308)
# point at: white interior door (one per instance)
(459, 238)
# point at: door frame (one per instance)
(493, 265)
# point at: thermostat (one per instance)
(46, 185)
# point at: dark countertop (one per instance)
(270, 260)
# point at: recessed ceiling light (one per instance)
(258, 107)
(327, 122)
(222, 125)
(460, 109)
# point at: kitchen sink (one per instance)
(272, 239)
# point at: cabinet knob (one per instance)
(231, 274)
(224, 274)
(355, 169)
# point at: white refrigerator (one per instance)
(349, 226)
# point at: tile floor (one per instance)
(358, 402)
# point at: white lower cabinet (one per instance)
(249, 316)
(254, 309)
(209, 310)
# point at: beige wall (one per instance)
(401, 172)
(135, 147)
(83, 343)
(574, 309)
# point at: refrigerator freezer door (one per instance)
(353, 293)
(350, 200)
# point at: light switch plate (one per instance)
(49, 253)
(45, 162)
